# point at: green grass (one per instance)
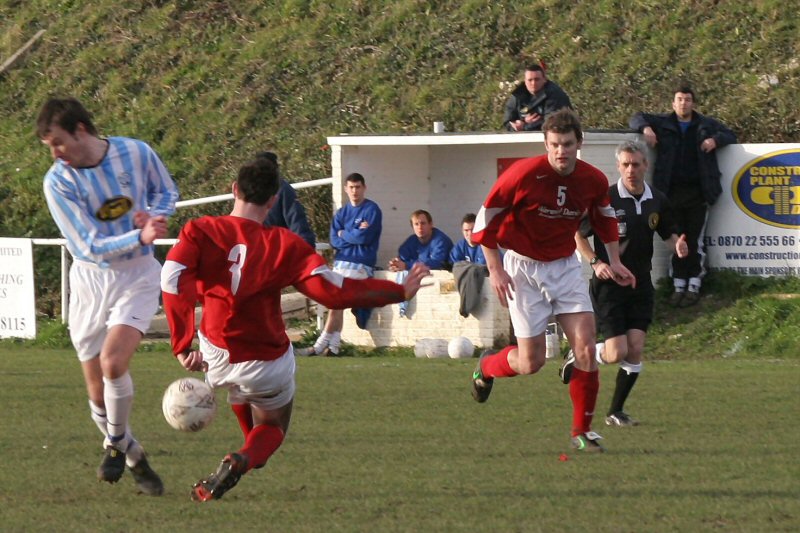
(738, 316)
(207, 84)
(397, 444)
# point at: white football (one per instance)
(460, 348)
(189, 404)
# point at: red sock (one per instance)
(244, 415)
(496, 365)
(583, 387)
(261, 443)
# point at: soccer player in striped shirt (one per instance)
(110, 198)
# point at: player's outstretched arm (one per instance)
(413, 281)
(334, 291)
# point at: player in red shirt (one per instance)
(533, 211)
(237, 267)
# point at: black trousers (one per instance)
(691, 220)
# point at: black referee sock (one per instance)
(625, 382)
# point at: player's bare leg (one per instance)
(525, 358)
(93, 377)
(613, 350)
(269, 430)
(529, 356)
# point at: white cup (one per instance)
(438, 127)
(553, 345)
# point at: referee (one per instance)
(623, 313)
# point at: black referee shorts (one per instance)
(618, 309)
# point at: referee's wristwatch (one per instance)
(593, 261)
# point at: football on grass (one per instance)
(460, 347)
(189, 404)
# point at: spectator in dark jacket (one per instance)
(288, 212)
(532, 100)
(686, 170)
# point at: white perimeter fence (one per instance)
(161, 242)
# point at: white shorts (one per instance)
(125, 294)
(353, 270)
(265, 384)
(543, 289)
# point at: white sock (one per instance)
(599, 348)
(118, 396)
(322, 342)
(630, 368)
(335, 341)
(98, 415)
(134, 453)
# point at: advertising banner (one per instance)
(754, 228)
(17, 298)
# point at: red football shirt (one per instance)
(535, 211)
(237, 268)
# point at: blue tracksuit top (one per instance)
(435, 254)
(356, 244)
(462, 251)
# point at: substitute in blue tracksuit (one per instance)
(355, 235)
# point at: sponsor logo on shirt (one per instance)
(559, 212)
(113, 208)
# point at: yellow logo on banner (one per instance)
(768, 189)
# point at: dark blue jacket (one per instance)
(522, 102)
(289, 213)
(668, 132)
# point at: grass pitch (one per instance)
(397, 444)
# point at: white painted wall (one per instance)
(448, 175)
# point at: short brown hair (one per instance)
(258, 181)
(563, 121)
(421, 213)
(684, 87)
(356, 177)
(66, 113)
(535, 67)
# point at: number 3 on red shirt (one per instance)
(237, 256)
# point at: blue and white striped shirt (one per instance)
(130, 173)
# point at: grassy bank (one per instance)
(210, 83)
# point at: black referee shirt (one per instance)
(638, 220)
